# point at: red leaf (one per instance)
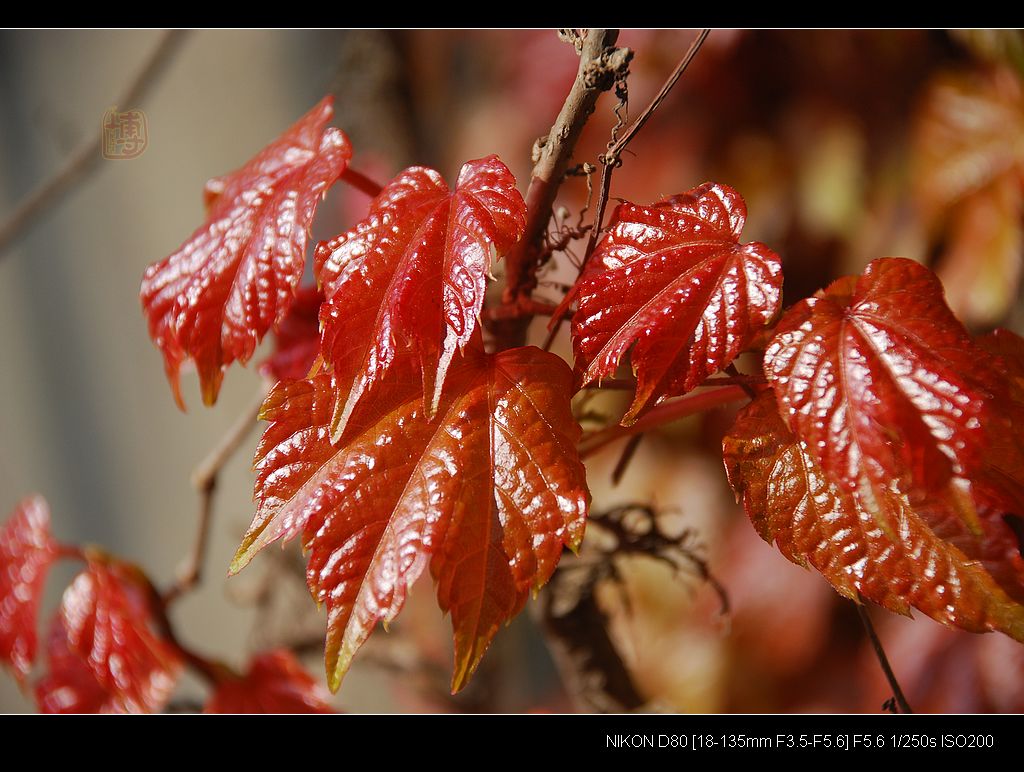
(878, 379)
(870, 539)
(410, 278)
(26, 552)
(673, 282)
(103, 654)
(274, 683)
(215, 298)
(297, 341)
(488, 492)
(70, 686)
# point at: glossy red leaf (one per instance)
(488, 493)
(274, 683)
(409, 280)
(672, 282)
(103, 652)
(26, 552)
(878, 378)
(217, 295)
(297, 340)
(871, 539)
(70, 685)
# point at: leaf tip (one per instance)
(240, 560)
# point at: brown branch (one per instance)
(578, 628)
(662, 414)
(883, 660)
(601, 64)
(610, 160)
(204, 480)
(88, 155)
(212, 671)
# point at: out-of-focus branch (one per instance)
(204, 480)
(577, 627)
(86, 158)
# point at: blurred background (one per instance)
(846, 145)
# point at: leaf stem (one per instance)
(361, 182)
(883, 660)
(662, 414)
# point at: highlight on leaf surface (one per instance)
(103, 655)
(672, 282)
(70, 685)
(881, 382)
(27, 551)
(216, 296)
(409, 280)
(487, 493)
(870, 538)
(275, 682)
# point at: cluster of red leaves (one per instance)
(107, 649)
(410, 445)
(882, 451)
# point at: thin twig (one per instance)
(883, 660)
(645, 116)
(88, 155)
(742, 380)
(610, 160)
(601, 65)
(204, 480)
